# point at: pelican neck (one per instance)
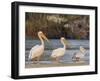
(42, 42)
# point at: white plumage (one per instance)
(37, 51)
(59, 52)
(79, 55)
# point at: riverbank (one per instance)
(40, 65)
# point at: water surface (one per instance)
(55, 43)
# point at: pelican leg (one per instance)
(34, 60)
(53, 60)
(77, 59)
(38, 59)
(57, 60)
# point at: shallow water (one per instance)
(67, 58)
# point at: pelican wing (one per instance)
(31, 51)
(58, 52)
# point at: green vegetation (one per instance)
(57, 25)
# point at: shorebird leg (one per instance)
(77, 59)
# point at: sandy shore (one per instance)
(53, 65)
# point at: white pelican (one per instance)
(59, 52)
(79, 55)
(37, 51)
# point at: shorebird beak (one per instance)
(45, 38)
